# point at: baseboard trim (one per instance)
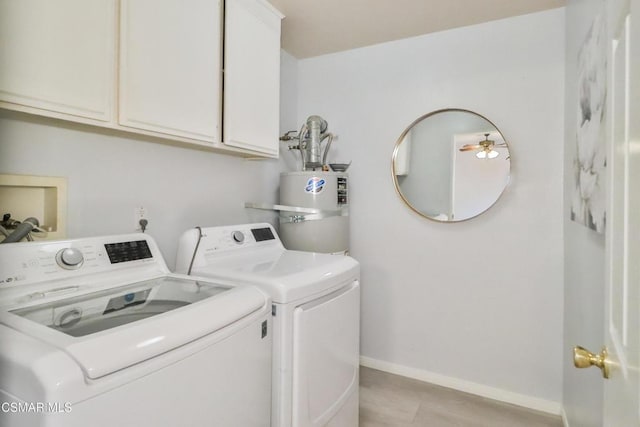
(542, 405)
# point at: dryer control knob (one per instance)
(238, 236)
(69, 258)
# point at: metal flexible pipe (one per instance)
(22, 230)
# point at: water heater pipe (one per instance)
(310, 137)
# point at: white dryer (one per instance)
(316, 309)
(98, 332)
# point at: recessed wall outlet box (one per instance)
(41, 197)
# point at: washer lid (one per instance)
(112, 329)
(285, 274)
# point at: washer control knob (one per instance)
(238, 236)
(69, 258)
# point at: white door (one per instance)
(622, 390)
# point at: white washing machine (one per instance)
(316, 309)
(98, 332)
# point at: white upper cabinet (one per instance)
(58, 56)
(252, 76)
(170, 66)
(148, 67)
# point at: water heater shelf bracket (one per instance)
(296, 214)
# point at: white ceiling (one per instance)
(317, 27)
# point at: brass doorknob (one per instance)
(583, 358)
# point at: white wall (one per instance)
(288, 93)
(479, 301)
(289, 160)
(111, 173)
(584, 251)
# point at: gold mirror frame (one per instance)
(401, 139)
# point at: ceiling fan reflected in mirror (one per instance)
(485, 148)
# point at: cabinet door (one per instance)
(170, 67)
(252, 76)
(58, 56)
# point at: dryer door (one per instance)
(326, 358)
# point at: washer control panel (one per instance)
(32, 262)
(198, 246)
(259, 234)
(236, 237)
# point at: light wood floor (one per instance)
(388, 400)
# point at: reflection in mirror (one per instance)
(451, 165)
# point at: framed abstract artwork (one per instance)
(589, 164)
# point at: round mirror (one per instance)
(451, 165)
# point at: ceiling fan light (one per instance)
(492, 154)
(481, 154)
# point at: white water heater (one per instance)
(314, 205)
(321, 224)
